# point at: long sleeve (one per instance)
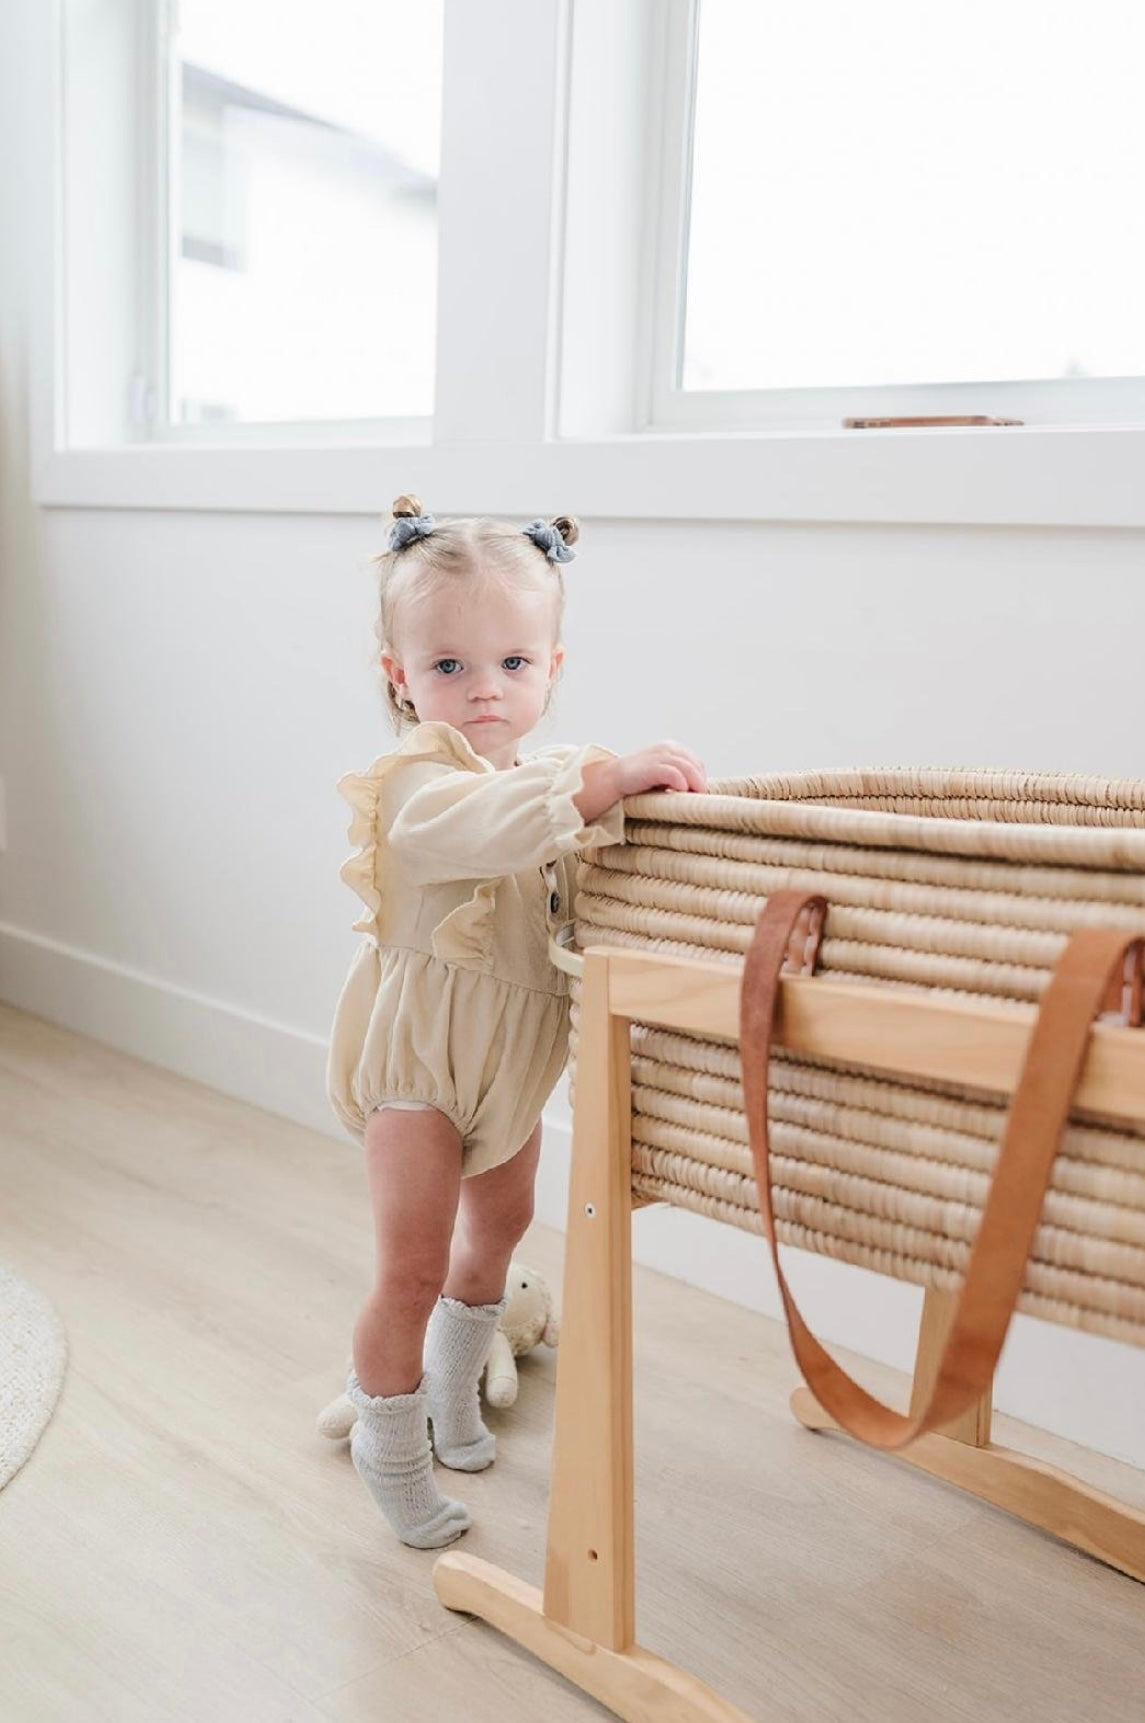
(455, 824)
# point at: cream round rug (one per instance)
(33, 1355)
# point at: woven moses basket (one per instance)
(963, 884)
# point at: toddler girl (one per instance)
(451, 1030)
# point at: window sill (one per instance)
(1088, 476)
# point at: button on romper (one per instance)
(452, 1000)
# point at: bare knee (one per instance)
(409, 1291)
(498, 1233)
(496, 1207)
(519, 1218)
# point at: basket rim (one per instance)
(1084, 789)
(795, 805)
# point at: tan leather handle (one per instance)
(1038, 1113)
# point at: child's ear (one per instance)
(557, 660)
(393, 670)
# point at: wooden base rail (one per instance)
(583, 1624)
(1033, 1491)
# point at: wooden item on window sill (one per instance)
(926, 422)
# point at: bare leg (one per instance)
(414, 1167)
(413, 1164)
(495, 1209)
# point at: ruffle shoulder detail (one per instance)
(363, 790)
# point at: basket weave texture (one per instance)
(961, 884)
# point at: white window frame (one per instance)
(548, 237)
(1065, 403)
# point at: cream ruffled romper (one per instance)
(465, 871)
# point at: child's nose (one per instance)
(487, 686)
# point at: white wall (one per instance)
(178, 693)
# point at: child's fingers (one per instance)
(690, 768)
(671, 778)
(668, 766)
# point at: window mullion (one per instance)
(498, 206)
(155, 24)
(666, 250)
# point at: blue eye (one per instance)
(514, 662)
(448, 666)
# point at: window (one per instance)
(890, 197)
(303, 161)
(199, 346)
(249, 223)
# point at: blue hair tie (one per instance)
(408, 527)
(548, 539)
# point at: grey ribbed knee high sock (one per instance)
(457, 1344)
(391, 1453)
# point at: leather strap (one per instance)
(1041, 1104)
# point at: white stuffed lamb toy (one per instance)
(528, 1320)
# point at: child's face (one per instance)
(480, 657)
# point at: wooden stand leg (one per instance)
(590, 1581)
(963, 1454)
(584, 1623)
(938, 1309)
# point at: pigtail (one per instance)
(555, 537)
(410, 522)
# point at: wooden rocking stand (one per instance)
(583, 1624)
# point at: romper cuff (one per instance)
(568, 827)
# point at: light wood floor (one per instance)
(182, 1546)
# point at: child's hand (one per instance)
(663, 766)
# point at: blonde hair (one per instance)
(465, 549)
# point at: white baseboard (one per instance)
(1089, 1390)
(271, 1065)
